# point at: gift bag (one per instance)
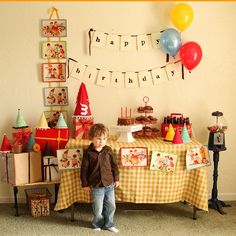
(22, 168)
(82, 127)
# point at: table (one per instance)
(15, 190)
(140, 184)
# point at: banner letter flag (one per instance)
(155, 38)
(158, 76)
(103, 78)
(145, 79)
(131, 80)
(143, 42)
(117, 79)
(78, 71)
(90, 74)
(173, 71)
(128, 43)
(113, 42)
(99, 39)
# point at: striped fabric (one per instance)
(140, 184)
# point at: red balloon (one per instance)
(190, 55)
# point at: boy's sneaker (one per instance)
(113, 229)
(97, 229)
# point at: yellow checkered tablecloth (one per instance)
(140, 184)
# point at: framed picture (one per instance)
(197, 157)
(54, 50)
(54, 28)
(162, 161)
(69, 158)
(134, 156)
(53, 116)
(55, 96)
(54, 72)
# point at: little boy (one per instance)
(99, 175)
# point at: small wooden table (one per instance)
(15, 190)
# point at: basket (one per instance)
(38, 201)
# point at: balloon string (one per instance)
(167, 57)
(182, 71)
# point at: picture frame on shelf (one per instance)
(134, 156)
(55, 96)
(53, 116)
(69, 159)
(197, 157)
(53, 28)
(162, 161)
(54, 50)
(54, 72)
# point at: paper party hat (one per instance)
(170, 133)
(6, 146)
(43, 124)
(185, 135)
(61, 122)
(20, 122)
(82, 109)
(47, 150)
(30, 144)
(177, 138)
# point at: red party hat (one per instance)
(177, 138)
(6, 146)
(82, 109)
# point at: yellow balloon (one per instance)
(181, 16)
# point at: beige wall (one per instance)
(210, 86)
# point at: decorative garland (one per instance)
(139, 42)
(128, 79)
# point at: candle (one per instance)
(130, 112)
(126, 112)
(121, 112)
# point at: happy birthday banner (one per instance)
(140, 42)
(129, 79)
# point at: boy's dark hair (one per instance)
(97, 130)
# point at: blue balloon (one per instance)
(170, 41)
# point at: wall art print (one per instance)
(197, 157)
(162, 161)
(54, 72)
(54, 50)
(54, 28)
(69, 158)
(55, 96)
(134, 156)
(53, 116)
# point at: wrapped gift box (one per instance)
(56, 138)
(50, 169)
(21, 135)
(38, 200)
(21, 168)
(82, 127)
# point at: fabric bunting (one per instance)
(129, 79)
(99, 39)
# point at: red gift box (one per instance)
(21, 135)
(56, 138)
(82, 127)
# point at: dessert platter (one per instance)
(146, 120)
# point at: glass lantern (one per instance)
(217, 130)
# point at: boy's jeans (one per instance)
(104, 206)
